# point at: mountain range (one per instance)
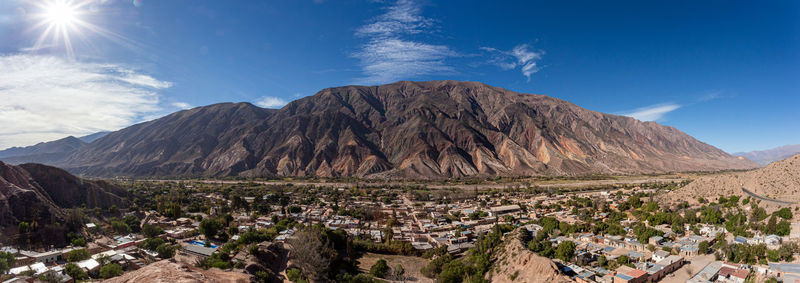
(765, 157)
(47, 152)
(421, 130)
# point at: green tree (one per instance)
(773, 255)
(623, 259)
(133, 223)
(120, 227)
(784, 213)
(166, 251)
(602, 261)
(295, 275)
(152, 243)
(78, 255)
(110, 270)
(74, 271)
(703, 247)
(151, 231)
(6, 261)
(565, 251)
(23, 227)
(772, 225)
(380, 269)
(210, 227)
(78, 242)
(783, 228)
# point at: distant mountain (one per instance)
(437, 129)
(48, 152)
(775, 186)
(765, 157)
(39, 193)
(92, 137)
(44, 152)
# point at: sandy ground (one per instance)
(411, 264)
(171, 272)
(689, 270)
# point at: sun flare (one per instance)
(60, 13)
(60, 21)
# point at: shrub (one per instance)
(166, 251)
(380, 269)
(78, 255)
(75, 272)
(152, 243)
(295, 275)
(110, 270)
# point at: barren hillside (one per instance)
(518, 264)
(420, 130)
(777, 185)
(168, 271)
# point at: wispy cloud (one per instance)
(389, 56)
(45, 98)
(521, 56)
(710, 96)
(181, 105)
(652, 112)
(270, 102)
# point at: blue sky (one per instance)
(725, 72)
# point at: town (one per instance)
(593, 234)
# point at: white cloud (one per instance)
(270, 102)
(520, 56)
(181, 105)
(653, 112)
(45, 98)
(387, 56)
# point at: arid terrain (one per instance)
(515, 263)
(776, 185)
(418, 130)
(167, 271)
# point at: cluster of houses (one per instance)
(120, 250)
(718, 271)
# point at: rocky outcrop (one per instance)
(437, 129)
(168, 271)
(518, 264)
(22, 199)
(38, 194)
(69, 191)
(271, 258)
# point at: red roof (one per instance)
(725, 271)
(742, 273)
(636, 273)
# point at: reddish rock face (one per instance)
(428, 130)
(39, 193)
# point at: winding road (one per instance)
(752, 194)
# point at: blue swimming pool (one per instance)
(201, 243)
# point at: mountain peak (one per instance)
(406, 129)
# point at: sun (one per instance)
(61, 13)
(60, 21)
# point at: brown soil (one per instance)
(168, 271)
(517, 264)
